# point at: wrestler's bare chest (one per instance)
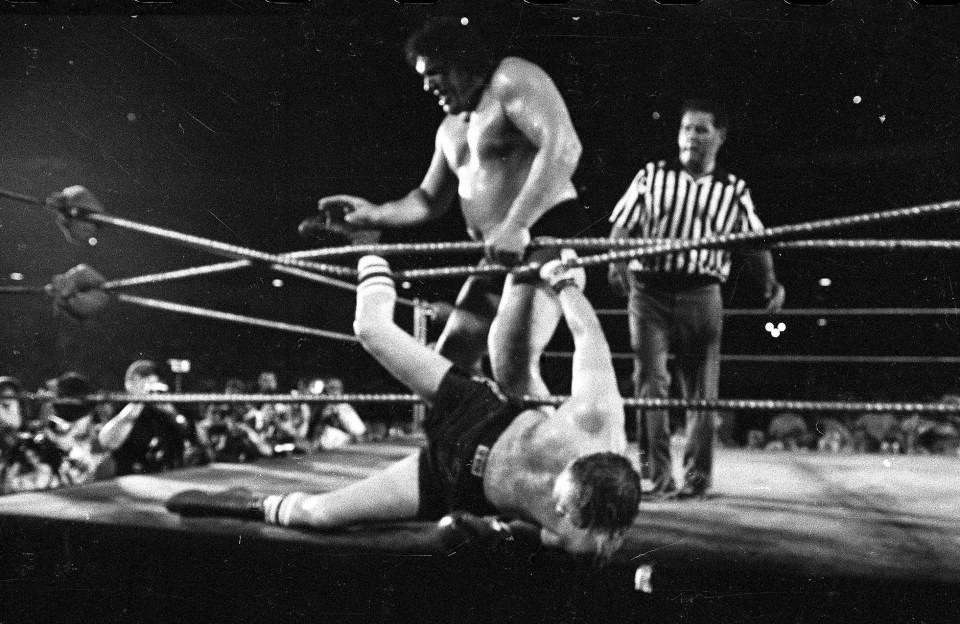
(491, 159)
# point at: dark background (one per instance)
(229, 120)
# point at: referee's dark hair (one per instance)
(449, 40)
(720, 119)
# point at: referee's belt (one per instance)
(675, 281)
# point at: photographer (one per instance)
(146, 437)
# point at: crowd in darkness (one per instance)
(45, 445)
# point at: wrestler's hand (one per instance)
(774, 294)
(459, 529)
(506, 243)
(619, 277)
(558, 274)
(357, 211)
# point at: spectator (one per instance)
(74, 429)
(146, 437)
(835, 437)
(756, 440)
(787, 432)
(334, 424)
(874, 433)
(13, 412)
(223, 430)
(263, 416)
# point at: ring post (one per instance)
(421, 318)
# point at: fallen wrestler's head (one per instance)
(598, 497)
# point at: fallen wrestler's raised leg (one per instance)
(389, 495)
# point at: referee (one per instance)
(674, 300)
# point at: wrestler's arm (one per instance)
(594, 395)
(618, 274)
(760, 261)
(624, 217)
(430, 200)
(533, 104)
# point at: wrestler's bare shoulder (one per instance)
(537, 435)
(514, 72)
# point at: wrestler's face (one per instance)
(142, 385)
(7, 402)
(699, 140)
(565, 533)
(453, 87)
(267, 382)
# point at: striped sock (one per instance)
(271, 505)
(374, 275)
(278, 509)
(287, 506)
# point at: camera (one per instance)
(179, 366)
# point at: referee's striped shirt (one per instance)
(664, 201)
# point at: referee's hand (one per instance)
(774, 294)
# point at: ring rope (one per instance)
(868, 244)
(205, 244)
(710, 242)
(225, 249)
(760, 405)
(22, 290)
(816, 312)
(210, 269)
(285, 263)
(802, 359)
(228, 316)
(601, 243)
(779, 232)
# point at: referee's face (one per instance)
(699, 141)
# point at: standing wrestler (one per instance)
(507, 148)
(674, 300)
(565, 470)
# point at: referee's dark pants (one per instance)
(687, 322)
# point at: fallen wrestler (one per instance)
(487, 455)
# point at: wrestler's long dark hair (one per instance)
(608, 497)
(463, 45)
